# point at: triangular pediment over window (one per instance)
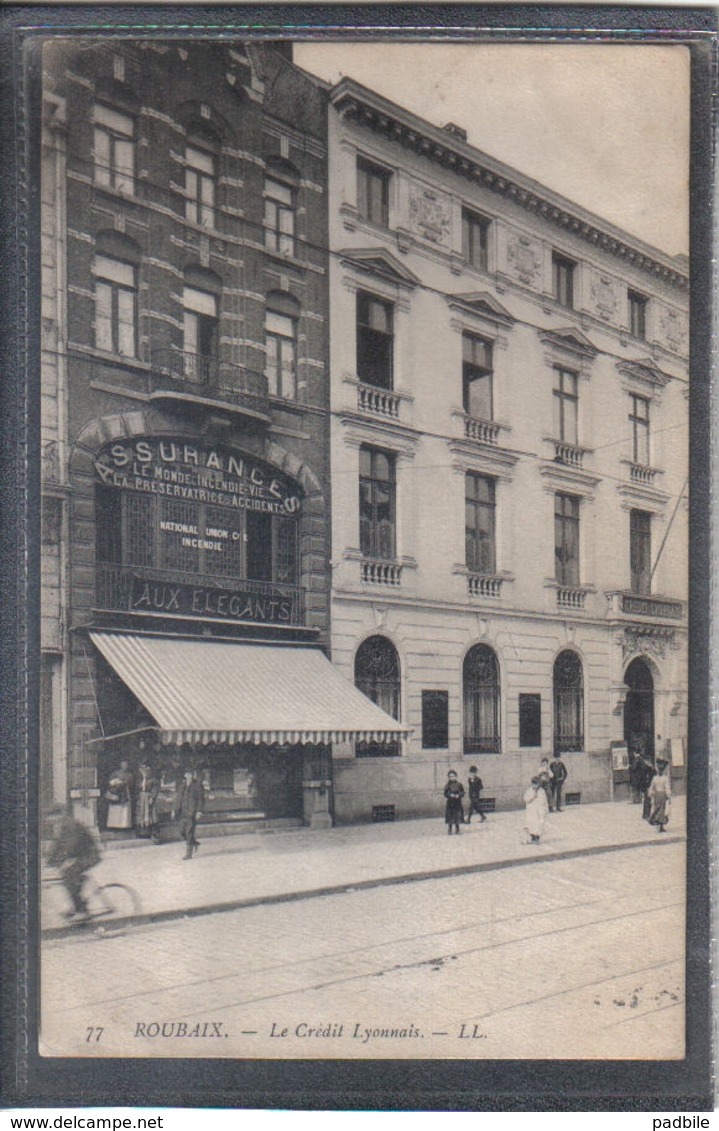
(484, 303)
(570, 338)
(644, 371)
(377, 261)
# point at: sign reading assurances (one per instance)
(179, 470)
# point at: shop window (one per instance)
(200, 330)
(281, 355)
(566, 539)
(480, 680)
(475, 238)
(375, 341)
(639, 425)
(479, 509)
(373, 192)
(280, 215)
(200, 186)
(637, 314)
(115, 306)
(114, 149)
(377, 503)
(640, 551)
(563, 271)
(477, 377)
(566, 406)
(568, 703)
(377, 675)
(530, 720)
(435, 720)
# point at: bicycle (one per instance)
(111, 902)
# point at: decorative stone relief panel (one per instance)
(521, 258)
(673, 329)
(430, 214)
(604, 296)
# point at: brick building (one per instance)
(185, 435)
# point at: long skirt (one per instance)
(660, 809)
(454, 811)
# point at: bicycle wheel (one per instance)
(118, 901)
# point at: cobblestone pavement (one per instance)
(578, 957)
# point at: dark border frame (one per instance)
(449, 1085)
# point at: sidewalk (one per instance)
(268, 867)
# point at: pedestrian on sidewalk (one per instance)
(188, 810)
(119, 794)
(454, 810)
(536, 808)
(148, 789)
(645, 773)
(474, 789)
(660, 795)
(545, 780)
(559, 775)
(74, 851)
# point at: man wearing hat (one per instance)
(474, 789)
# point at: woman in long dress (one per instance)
(536, 808)
(660, 795)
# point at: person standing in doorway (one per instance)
(188, 810)
(454, 810)
(148, 789)
(559, 775)
(474, 789)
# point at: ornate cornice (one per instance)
(357, 104)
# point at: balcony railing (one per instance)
(638, 473)
(482, 744)
(483, 431)
(377, 571)
(656, 607)
(210, 378)
(378, 402)
(123, 588)
(568, 454)
(484, 585)
(570, 597)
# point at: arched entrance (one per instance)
(639, 708)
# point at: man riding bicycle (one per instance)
(74, 852)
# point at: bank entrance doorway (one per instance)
(639, 709)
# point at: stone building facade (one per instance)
(509, 384)
(185, 430)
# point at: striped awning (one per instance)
(202, 691)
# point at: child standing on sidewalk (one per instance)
(454, 810)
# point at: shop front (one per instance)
(255, 722)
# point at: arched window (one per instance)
(377, 675)
(481, 701)
(568, 703)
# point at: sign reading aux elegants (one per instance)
(205, 601)
(189, 472)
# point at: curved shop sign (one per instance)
(174, 469)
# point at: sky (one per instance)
(605, 125)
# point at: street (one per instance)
(573, 958)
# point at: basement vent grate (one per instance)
(383, 813)
(572, 798)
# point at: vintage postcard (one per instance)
(364, 664)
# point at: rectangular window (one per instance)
(639, 423)
(475, 232)
(530, 720)
(435, 720)
(477, 392)
(566, 402)
(281, 355)
(375, 340)
(115, 306)
(479, 506)
(114, 143)
(200, 335)
(377, 504)
(640, 551)
(373, 192)
(566, 539)
(279, 217)
(637, 315)
(563, 279)
(200, 187)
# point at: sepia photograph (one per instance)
(364, 375)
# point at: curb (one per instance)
(67, 931)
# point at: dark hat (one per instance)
(662, 761)
(451, 773)
(473, 769)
